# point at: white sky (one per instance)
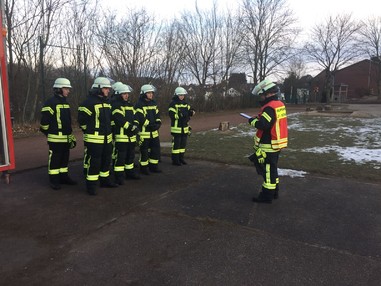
(309, 13)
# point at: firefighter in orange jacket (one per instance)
(270, 138)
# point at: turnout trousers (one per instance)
(58, 161)
(97, 161)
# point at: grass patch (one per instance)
(336, 146)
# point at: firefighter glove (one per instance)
(72, 141)
(253, 120)
(261, 155)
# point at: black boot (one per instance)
(182, 161)
(131, 174)
(154, 168)
(119, 178)
(54, 181)
(144, 170)
(276, 192)
(106, 183)
(264, 197)
(65, 179)
(91, 188)
(176, 160)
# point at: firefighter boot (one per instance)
(144, 170)
(119, 178)
(131, 174)
(65, 179)
(264, 197)
(176, 160)
(182, 161)
(105, 182)
(91, 188)
(154, 168)
(276, 192)
(54, 181)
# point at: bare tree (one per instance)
(370, 40)
(270, 34)
(333, 45)
(200, 30)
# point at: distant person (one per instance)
(270, 138)
(55, 123)
(147, 117)
(180, 113)
(94, 118)
(125, 131)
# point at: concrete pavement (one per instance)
(203, 230)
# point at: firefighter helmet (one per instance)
(123, 88)
(116, 85)
(62, 82)
(180, 91)
(263, 86)
(147, 88)
(101, 82)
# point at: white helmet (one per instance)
(263, 86)
(62, 82)
(180, 91)
(123, 88)
(116, 85)
(147, 88)
(101, 82)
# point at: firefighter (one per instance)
(56, 125)
(270, 138)
(125, 131)
(180, 113)
(148, 119)
(94, 118)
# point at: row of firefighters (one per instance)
(112, 128)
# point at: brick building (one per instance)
(352, 82)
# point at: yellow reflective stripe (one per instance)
(48, 109)
(104, 174)
(147, 135)
(175, 151)
(58, 138)
(44, 127)
(99, 139)
(58, 110)
(117, 111)
(92, 177)
(153, 161)
(129, 166)
(85, 110)
(64, 170)
(266, 116)
(267, 183)
(125, 138)
(172, 109)
(118, 168)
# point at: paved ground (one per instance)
(202, 231)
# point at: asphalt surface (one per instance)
(202, 230)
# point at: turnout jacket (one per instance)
(55, 120)
(272, 133)
(147, 117)
(179, 112)
(94, 118)
(123, 113)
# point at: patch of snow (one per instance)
(291, 173)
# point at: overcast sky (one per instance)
(308, 13)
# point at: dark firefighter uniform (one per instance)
(125, 131)
(148, 119)
(271, 137)
(179, 112)
(94, 118)
(55, 123)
